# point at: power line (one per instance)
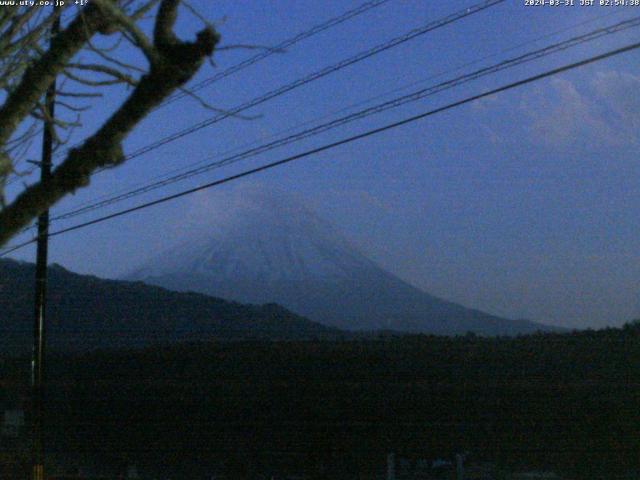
(394, 103)
(188, 168)
(338, 143)
(279, 47)
(410, 35)
(321, 27)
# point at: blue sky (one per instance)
(525, 204)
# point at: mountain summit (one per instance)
(270, 248)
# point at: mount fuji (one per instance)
(270, 248)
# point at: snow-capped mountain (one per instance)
(266, 248)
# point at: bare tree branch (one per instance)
(112, 72)
(40, 74)
(102, 52)
(130, 27)
(63, 93)
(172, 64)
(208, 106)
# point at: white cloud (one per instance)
(603, 112)
(620, 94)
(486, 102)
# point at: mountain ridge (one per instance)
(86, 313)
(268, 248)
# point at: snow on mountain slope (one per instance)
(266, 247)
(266, 238)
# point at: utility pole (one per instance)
(37, 361)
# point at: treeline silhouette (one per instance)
(567, 402)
